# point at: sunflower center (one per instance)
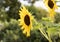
(27, 20)
(50, 4)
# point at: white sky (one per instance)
(38, 4)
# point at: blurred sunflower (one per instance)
(51, 5)
(25, 21)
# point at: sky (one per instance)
(39, 4)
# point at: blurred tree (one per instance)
(31, 1)
(3, 15)
(57, 18)
(13, 5)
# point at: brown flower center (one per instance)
(27, 20)
(50, 4)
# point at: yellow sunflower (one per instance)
(51, 5)
(25, 20)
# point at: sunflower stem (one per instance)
(48, 38)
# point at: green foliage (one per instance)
(3, 15)
(11, 32)
(50, 30)
(57, 18)
(14, 6)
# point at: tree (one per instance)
(13, 5)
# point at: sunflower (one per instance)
(25, 20)
(51, 5)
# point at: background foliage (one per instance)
(10, 30)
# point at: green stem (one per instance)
(45, 35)
(42, 31)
